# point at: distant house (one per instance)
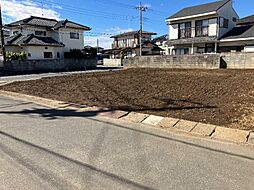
(127, 45)
(240, 38)
(44, 38)
(162, 42)
(198, 29)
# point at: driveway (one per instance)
(43, 148)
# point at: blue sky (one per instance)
(107, 17)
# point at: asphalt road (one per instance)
(52, 74)
(42, 148)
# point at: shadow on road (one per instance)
(79, 163)
(51, 114)
(56, 114)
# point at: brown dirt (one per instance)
(220, 97)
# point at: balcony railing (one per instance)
(202, 31)
(193, 32)
(185, 33)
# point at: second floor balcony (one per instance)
(199, 31)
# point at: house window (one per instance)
(74, 35)
(202, 28)
(234, 19)
(58, 55)
(185, 30)
(29, 54)
(40, 33)
(224, 22)
(48, 55)
(181, 51)
(46, 47)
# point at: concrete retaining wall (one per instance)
(238, 60)
(169, 61)
(32, 66)
(112, 62)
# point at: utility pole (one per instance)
(2, 34)
(141, 9)
(97, 46)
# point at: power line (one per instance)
(88, 12)
(87, 33)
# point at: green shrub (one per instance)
(15, 56)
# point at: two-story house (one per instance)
(240, 38)
(198, 29)
(130, 39)
(44, 38)
(128, 43)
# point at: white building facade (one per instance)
(198, 29)
(43, 38)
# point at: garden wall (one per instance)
(52, 65)
(112, 62)
(238, 60)
(173, 61)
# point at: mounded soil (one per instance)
(220, 97)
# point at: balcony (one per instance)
(202, 31)
(185, 33)
(193, 32)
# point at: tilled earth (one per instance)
(220, 97)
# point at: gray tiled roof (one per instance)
(132, 33)
(246, 20)
(240, 32)
(200, 9)
(49, 23)
(31, 40)
(160, 38)
(35, 21)
(70, 24)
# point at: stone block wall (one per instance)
(112, 62)
(238, 60)
(183, 61)
(51, 65)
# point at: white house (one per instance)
(44, 38)
(129, 43)
(162, 42)
(199, 29)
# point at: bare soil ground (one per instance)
(220, 97)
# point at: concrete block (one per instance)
(251, 138)
(185, 125)
(168, 122)
(152, 120)
(234, 135)
(203, 129)
(135, 117)
(114, 114)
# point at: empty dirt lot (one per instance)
(221, 97)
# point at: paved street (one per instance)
(42, 75)
(43, 148)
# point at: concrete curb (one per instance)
(189, 127)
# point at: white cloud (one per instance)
(118, 30)
(104, 41)
(104, 38)
(15, 10)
